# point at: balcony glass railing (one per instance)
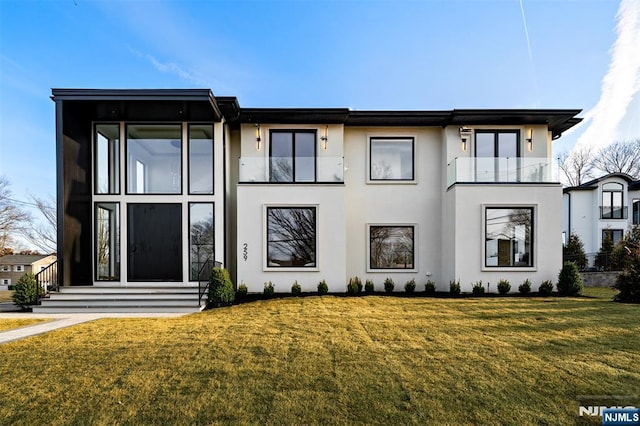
(291, 170)
(501, 170)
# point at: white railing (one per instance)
(501, 170)
(282, 170)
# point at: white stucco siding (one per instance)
(252, 269)
(416, 203)
(469, 206)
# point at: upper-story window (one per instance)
(107, 158)
(154, 153)
(200, 159)
(5, 268)
(292, 156)
(612, 201)
(391, 159)
(636, 211)
(497, 143)
(18, 268)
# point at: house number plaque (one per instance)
(245, 251)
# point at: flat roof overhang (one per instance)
(190, 104)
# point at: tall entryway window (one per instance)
(154, 242)
(107, 241)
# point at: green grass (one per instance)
(326, 360)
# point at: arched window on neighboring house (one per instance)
(612, 201)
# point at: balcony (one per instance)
(285, 170)
(501, 170)
(614, 212)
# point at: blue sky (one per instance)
(431, 54)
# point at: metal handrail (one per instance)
(47, 280)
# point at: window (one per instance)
(508, 237)
(107, 158)
(107, 241)
(19, 268)
(614, 235)
(612, 207)
(391, 247)
(292, 156)
(6, 268)
(200, 237)
(291, 237)
(636, 211)
(154, 153)
(200, 159)
(6, 281)
(492, 149)
(391, 159)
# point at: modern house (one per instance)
(14, 266)
(606, 206)
(152, 183)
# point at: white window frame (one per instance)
(18, 268)
(6, 281)
(416, 239)
(534, 237)
(6, 268)
(398, 135)
(265, 239)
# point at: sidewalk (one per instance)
(62, 320)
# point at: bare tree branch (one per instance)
(43, 234)
(577, 165)
(12, 217)
(620, 157)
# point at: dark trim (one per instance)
(291, 183)
(213, 159)
(413, 247)
(126, 157)
(532, 237)
(413, 157)
(225, 194)
(213, 228)
(293, 152)
(61, 206)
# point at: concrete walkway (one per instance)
(62, 320)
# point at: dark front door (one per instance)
(155, 242)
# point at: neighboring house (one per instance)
(13, 266)
(608, 205)
(151, 183)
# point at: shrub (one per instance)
(603, 259)
(574, 251)
(546, 288)
(454, 287)
(525, 287)
(241, 291)
(569, 280)
(369, 287)
(628, 281)
(504, 287)
(269, 289)
(430, 287)
(410, 286)
(26, 291)
(388, 285)
(354, 286)
(221, 290)
(477, 289)
(323, 288)
(296, 289)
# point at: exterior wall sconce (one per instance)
(530, 138)
(465, 135)
(325, 137)
(258, 138)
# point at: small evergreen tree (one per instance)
(221, 290)
(323, 288)
(574, 252)
(628, 281)
(603, 259)
(569, 280)
(26, 291)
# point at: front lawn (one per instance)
(5, 295)
(371, 360)
(9, 324)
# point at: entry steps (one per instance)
(121, 299)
